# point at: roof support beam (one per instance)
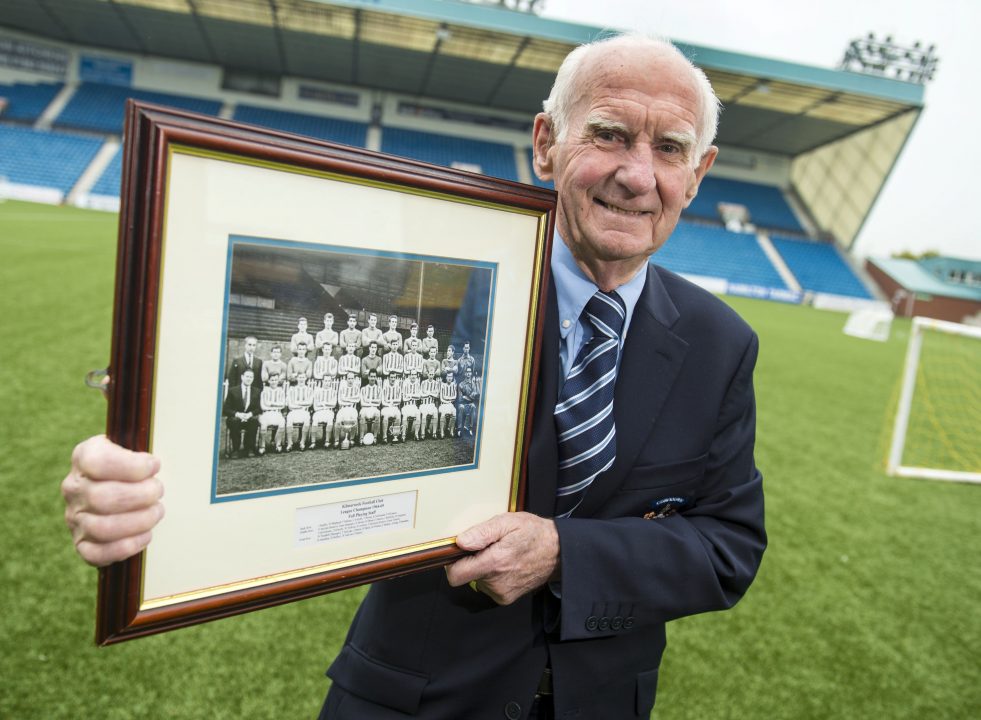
(56, 21)
(506, 73)
(428, 72)
(278, 36)
(124, 19)
(212, 55)
(356, 48)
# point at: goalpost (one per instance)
(937, 434)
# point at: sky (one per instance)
(930, 201)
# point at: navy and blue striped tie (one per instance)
(584, 413)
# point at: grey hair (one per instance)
(568, 82)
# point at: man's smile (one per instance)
(617, 209)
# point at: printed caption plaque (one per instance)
(332, 352)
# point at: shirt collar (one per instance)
(573, 289)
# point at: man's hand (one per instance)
(515, 553)
(112, 500)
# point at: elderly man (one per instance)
(644, 502)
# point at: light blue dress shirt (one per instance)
(573, 290)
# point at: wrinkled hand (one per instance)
(514, 553)
(112, 500)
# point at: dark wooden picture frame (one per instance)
(151, 135)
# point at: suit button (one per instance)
(591, 623)
(628, 622)
(512, 711)
(604, 623)
(616, 623)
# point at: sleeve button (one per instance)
(616, 623)
(628, 622)
(592, 623)
(604, 623)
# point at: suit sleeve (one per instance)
(631, 571)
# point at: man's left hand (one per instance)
(514, 553)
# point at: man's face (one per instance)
(372, 321)
(466, 348)
(247, 377)
(327, 348)
(625, 169)
(274, 381)
(250, 344)
(392, 322)
(351, 322)
(373, 379)
(449, 352)
(301, 349)
(350, 349)
(372, 350)
(395, 345)
(449, 377)
(328, 321)
(301, 324)
(276, 352)
(468, 374)
(432, 353)
(430, 331)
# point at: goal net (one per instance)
(937, 434)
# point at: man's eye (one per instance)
(607, 136)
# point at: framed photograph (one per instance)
(333, 353)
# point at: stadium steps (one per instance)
(43, 158)
(712, 251)
(103, 158)
(819, 267)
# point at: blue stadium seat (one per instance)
(818, 267)
(47, 159)
(100, 107)
(333, 129)
(26, 101)
(716, 252)
(766, 204)
(110, 180)
(496, 159)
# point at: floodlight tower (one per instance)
(887, 58)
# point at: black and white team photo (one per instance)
(342, 365)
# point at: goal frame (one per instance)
(895, 466)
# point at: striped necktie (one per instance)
(584, 413)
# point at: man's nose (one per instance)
(636, 171)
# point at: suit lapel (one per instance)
(652, 357)
(543, 454)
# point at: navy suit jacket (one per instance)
(674, 528)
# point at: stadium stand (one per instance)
(715, 252)
(110, 180)
(333, 129)
(26, 101)
(766, 204)
(819, 268)
(495, 159)
(100, 107)
(45, 159)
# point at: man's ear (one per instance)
(542, 141)
(708, 159)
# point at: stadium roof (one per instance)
(928, 277)
(460, 52)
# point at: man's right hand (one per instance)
(112, 500)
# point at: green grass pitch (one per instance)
(865, 607)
